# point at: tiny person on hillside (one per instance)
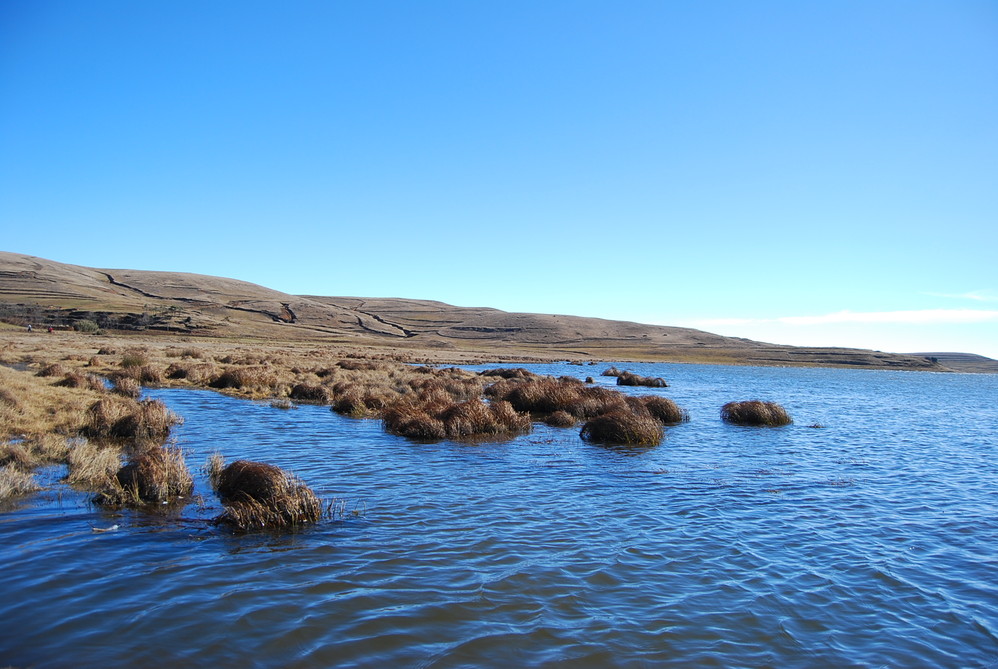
(29, 327)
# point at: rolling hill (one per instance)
(172, 303)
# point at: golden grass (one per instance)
(157, 475)
(93, 466)
(14, 482)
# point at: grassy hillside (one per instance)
(43, 292)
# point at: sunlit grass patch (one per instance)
(154, 476)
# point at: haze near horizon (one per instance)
(801, 173)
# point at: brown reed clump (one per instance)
(435, 420)
(257, 495)
(55, 369)
(244, 378)
(306, 392)
(622, 427)
(144, 374)
(155, 476)
(560, 419)
(629, 379)
(663, 409)
(92, 465)
(545, 395)
(121, 418)
(198, 374)
(127, 387)
(34, 451)
(134, 358)
(15, 482)
(509, 373)
(755, 413)
(78, 380)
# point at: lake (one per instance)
(870, 541)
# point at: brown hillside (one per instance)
(46, 292)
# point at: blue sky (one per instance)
(814, 173)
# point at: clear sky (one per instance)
(815, 173)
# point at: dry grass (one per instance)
(312, 393)
(93, 466)
(157, 475)
(624, 428)
(755, 413)
(125, 419)
(78, 380)
(470, 419)
(257, 495)
(560, 419)
(34, 451)
(546, 395)
(127, 387)
(30, 405)
(663, 409)
(14, 482)
(629, 379)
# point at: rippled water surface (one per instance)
(872, 541)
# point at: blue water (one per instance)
(871, 541)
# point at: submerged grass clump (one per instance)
(257, 495)
(755, 413)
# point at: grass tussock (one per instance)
(312, 393)
(15, 482)
(509, 373)
(143, 374)
(258, 380)
(560, 419)
(546, 395)
(257, 496)
(755, 413)
(79, 380)
(126, 387)
(623, 427)
(34, 451)
(55, 369)
(470, 419)
(663, 409)
(629, 379)
(122, 418)
(157, 475)
(92, 465)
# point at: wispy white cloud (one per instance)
(975, 295)
(919, 317)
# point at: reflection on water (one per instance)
(869, 542)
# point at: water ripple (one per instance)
(870, 542)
